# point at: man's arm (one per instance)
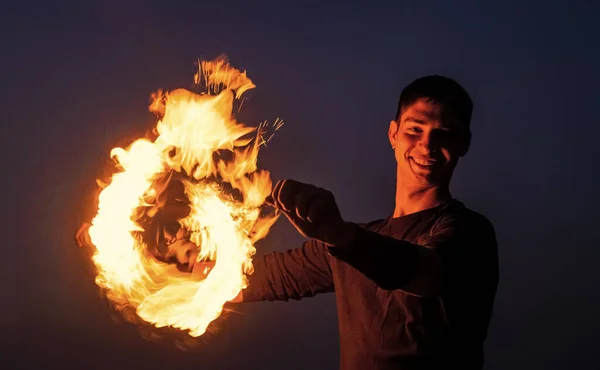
(426, 269)
(293, 274)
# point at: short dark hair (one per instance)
(453, 98)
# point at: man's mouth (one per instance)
(425, 163)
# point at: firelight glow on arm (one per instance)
(293, 274)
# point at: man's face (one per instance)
(427, 144)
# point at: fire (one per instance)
(193, 131)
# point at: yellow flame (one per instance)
(192, 129)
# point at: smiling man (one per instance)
(414, 290)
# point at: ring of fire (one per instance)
(193, 129)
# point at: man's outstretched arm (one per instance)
(424, 269)
(281, 276)
(293, 274)
(421, 270)
(392, 263)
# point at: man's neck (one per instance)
(412, 199)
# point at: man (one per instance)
(414, 290)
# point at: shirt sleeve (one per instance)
(293, 274)
(388, 262)
(398, 264)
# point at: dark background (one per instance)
(75, 81)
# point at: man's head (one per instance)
(431, 130)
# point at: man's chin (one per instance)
(428, 180)
(416, 177)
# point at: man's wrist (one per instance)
(346, 236)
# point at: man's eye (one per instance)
(415, 129)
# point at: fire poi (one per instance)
(199, 141)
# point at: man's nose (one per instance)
(426, 143)
(429, 142)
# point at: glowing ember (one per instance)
(193, 130)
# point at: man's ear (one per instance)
(392, 132)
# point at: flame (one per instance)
(193, 130)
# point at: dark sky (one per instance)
(75, 81)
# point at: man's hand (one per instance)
(313, 211)
(184, 252)
(82, 236)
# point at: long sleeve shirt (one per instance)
(381, 326)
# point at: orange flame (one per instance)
(192, 129)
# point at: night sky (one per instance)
(75, 81)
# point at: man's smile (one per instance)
(423, 163)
